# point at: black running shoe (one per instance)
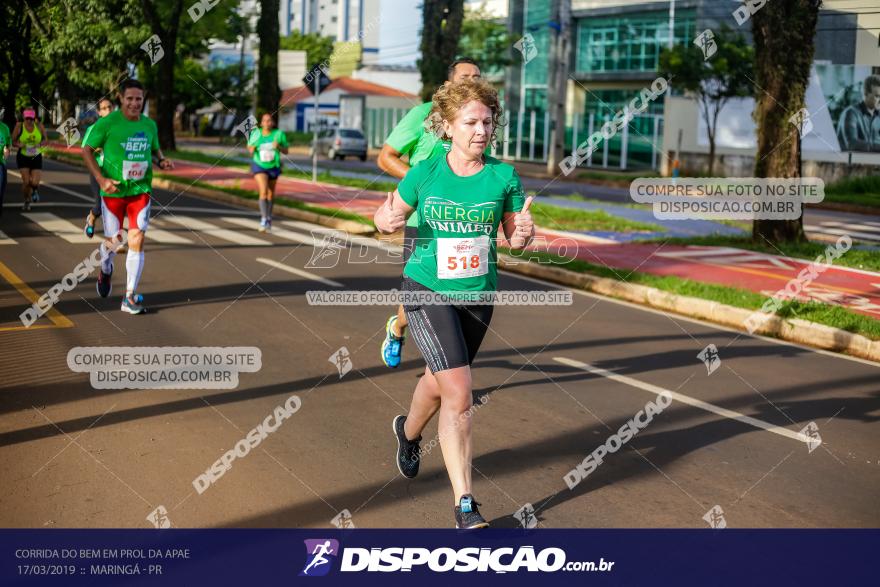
(103, 284)
(467, 516)
(407, 450)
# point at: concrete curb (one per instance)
(792, 330)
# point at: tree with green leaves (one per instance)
(318, 49)
(485, 40)
(713, 79)
(784, 33)
(441, 31)
(87, 46)
(21, 76)
(268, 30)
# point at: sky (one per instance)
(399, 36)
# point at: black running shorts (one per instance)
(25, 162)
(448, 336)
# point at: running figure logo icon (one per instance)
(527, 47)
(246, 126)
(153, 48)
(706, 42)
(317, 552)
(810, 433)
(715, 518)
(159, 517)
(69, 131)
(801, 119)
(342, 359)
(526, 516)
(710, 358)
(327, 254)
(343, 520)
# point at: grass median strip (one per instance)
(861, 191)
(821, 313)
(561, 218)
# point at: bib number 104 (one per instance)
(455, 263)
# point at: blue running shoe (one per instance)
(392, 346)
(132, 304)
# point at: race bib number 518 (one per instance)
(462, 257)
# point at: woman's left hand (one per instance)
(525, 227)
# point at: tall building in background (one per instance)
(341, 20)
(614, 53)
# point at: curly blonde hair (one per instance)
(451, 97)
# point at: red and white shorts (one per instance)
(137, 208)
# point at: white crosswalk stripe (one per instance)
(59, 226)
(844, 229)
(165, 236)
(279, 232)
(5, 240)
(345, 237)
(869, 226)
(206, 228)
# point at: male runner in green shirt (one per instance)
(409, 138)
(130, 143)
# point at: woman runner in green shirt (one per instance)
(266, 145)
(462, 198)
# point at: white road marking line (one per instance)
(346, 237)
(299, 272)
(852, 226)
(5, 240)
(60, 227)
(866, 226)
(221, 233)
(60, 189)
(854, 235)
(685, 399)
(165, 236)
(290, 235)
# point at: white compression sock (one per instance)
(134, 264)
(106, 259)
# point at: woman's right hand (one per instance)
(108, 186)
(387, 219)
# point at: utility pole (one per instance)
(557, 85)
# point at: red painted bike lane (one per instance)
(763, 273)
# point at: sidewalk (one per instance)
(762, 273)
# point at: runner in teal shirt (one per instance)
(463, 198)
(410, 139)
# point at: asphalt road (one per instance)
(556, 381)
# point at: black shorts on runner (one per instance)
(448, 336)
(25, 162)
